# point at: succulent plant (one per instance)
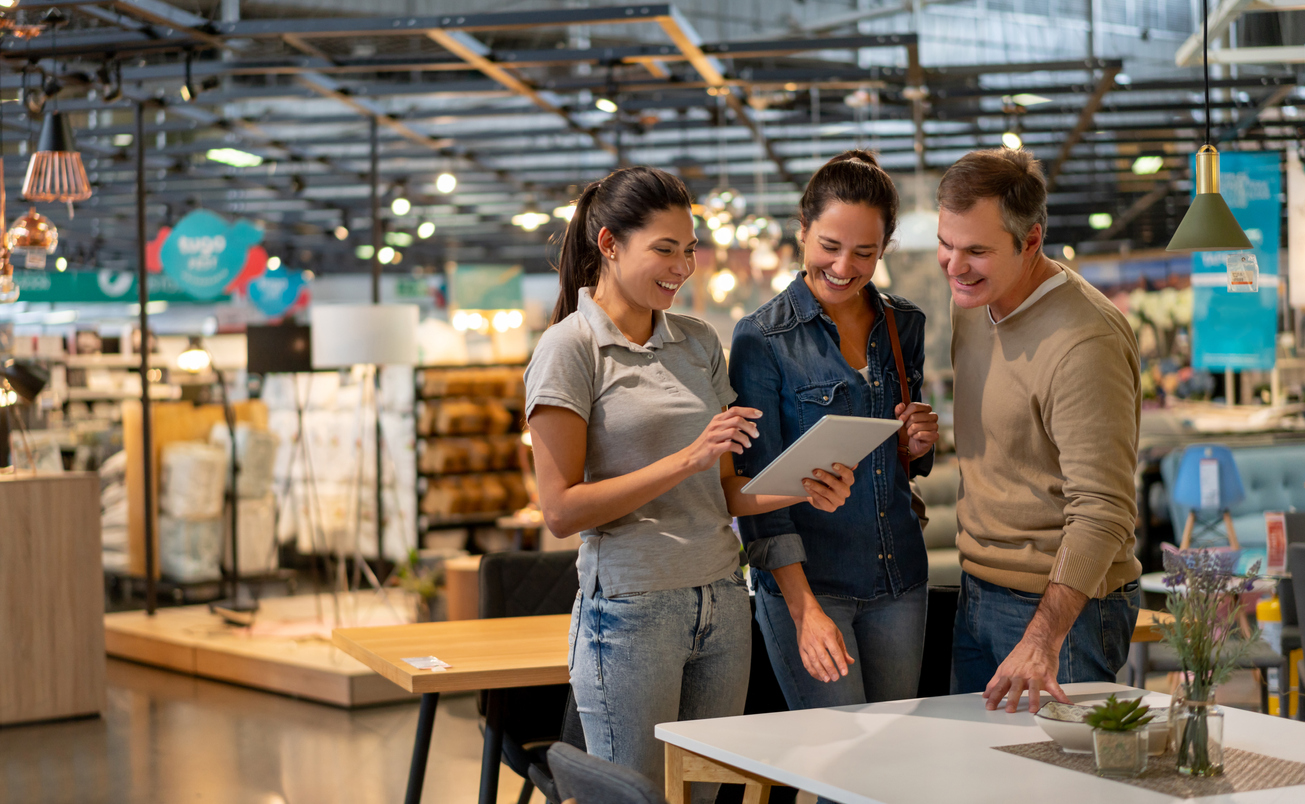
(1117, 715)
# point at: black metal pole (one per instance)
(228, 415)
(376, 299)
(143, 296)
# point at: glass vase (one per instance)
(1197, 728)
(1120, 754)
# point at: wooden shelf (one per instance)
(157, 391)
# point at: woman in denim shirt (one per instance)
(840, 596)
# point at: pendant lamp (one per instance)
(1208, 224)
(55, 172)
(33, 234)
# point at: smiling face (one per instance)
(982, 264)
(653, 263)
(840, 250)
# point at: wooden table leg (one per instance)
(421, 747)
(493, 752)
(684, 767)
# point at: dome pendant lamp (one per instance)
(55, 172)
(1208, 224)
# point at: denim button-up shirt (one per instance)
(785, 361)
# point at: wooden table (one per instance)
(1145, 629)
(929, 751)
(484, 655)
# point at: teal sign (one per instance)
(203, 253)
(1238, 330)
(97, 286)
(487, 287)
(275, 293)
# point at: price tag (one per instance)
(427, 663)
(1243, 273)
(1209, 475)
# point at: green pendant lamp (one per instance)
(1208, 225)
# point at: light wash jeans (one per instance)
(991, 619)
(885, 637)
(657, 657)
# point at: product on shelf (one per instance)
(193, 480)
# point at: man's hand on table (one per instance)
(1035, 661)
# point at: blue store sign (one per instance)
(203, 253)
(1238, 330)
(275, 293)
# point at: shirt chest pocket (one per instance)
(817, 400)
(913, 379)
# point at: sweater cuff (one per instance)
(774, 552)
(1081, 571)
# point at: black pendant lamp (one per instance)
(1208, 224)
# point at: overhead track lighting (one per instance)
(342, 232)
(425, 230)
(234, 157)
(401, 206)
(446, 183)
(1148, 165)
(188, 92)
(1012, 140)
(273, 263)
(1209, 224)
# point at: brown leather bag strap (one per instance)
(903, 448)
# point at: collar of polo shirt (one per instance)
(607, 333)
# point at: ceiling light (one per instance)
(723, 235)
(1069, 252)
(385, 255)
(425, 230)
(721, 284)
(1012, 140)
(363, 252)
(782, 280)
(55, 172)
(606, 105)
(1147, 165)
(234, 157)
(530, 221)
(121, 140)
(61, 264)
(273, 263)
(1100, 220)
(341, 232)
(400, 239)
(195, 359)
(1123, 79)
(1029, 99)
(1208, 225)
(446, 183)
(566, 213)
(400, 206)
(8, 3)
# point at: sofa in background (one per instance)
(939, 493)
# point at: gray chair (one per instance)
(590, 780)
(526, 720)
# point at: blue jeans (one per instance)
(991, 619)
(885, 637)
(657, 657)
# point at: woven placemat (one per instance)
(1243, 771)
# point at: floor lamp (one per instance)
(346, 335)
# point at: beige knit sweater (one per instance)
(1048, 405)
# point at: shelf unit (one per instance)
(469, 422)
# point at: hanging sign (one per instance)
(254, 267)
(1238, 330)
(486, 287)
(98, 286)
(276, 294)
(204, 253)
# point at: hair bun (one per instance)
(857, 155)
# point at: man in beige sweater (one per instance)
(1048, 404)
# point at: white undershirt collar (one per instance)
(1061, 277)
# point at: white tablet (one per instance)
(833, 439)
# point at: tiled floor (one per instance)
(168, 739)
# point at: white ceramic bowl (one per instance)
(1066, 724)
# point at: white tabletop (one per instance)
(940, 751)
(1155, 582)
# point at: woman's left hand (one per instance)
(829, 491)
(921, 427)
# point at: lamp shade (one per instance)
(1222, 487)
(345, 335)
(55, 172)
(27, 379)
(1209, 224)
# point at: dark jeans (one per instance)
(990, 621)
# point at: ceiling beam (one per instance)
(1085, 121)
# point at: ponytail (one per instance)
(580, 262)
(622, 203)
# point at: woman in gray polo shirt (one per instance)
(634, 450)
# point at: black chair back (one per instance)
(590, 780)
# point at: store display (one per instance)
(193, 480)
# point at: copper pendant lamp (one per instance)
(34, 235)
(55, 172)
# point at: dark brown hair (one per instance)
(852, 177)
(623, 202)
(1012, 176)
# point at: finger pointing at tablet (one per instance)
(729, 431)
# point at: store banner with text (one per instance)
(1239, 330)
(275, 294)
(204, 253)
(98, 286)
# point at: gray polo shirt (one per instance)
(642, 403)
